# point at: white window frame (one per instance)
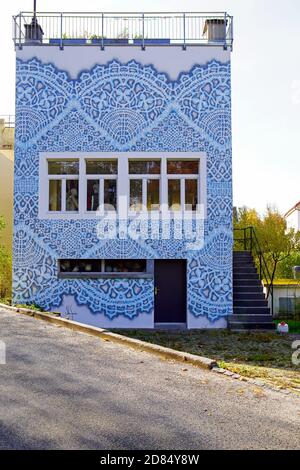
(183, 177)
(99, 177)
(144, 177)
(63, 178)
(122, 178)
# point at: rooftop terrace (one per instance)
(115, 29)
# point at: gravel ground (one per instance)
(67, 390)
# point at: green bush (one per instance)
(5, 268)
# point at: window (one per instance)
(75, 185)
(289, 307)
(144, 184)
(80, 265)
(183, 177)
(125, 266)
(101, 184)
(102, 267)
(63, 185)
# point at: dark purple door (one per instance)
(169, 291)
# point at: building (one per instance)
(293, 217)
(7, 124)
(286, 298)
(130, 114)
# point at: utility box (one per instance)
(214, 29)
(33, 32)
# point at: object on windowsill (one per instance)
(282, 327)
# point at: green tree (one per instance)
(246, 218)
(285, 268)
(276, 242)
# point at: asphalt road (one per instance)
(66, 390)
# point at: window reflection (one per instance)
(80, 265)
(92, 195)
(125, 266)
(63, 167)
(191, 194)
(54, 195)
(136, 195)
(98, 266)
(72, 195)
(152, 194)
(101, 167)
(110, 194)
(144, 167)
(174, 194)
(183, 167)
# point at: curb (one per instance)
(257, 382)
(161, 351)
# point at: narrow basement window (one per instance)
(98, 266)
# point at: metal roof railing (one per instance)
(135, 29)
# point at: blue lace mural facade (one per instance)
(121, 107)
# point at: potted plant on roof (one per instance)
(95, 39)
(122, 38)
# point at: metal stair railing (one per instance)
(249, 241)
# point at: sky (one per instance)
(265, 86)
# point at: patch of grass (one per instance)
(5, 300)
(263, 355)
(30, 307)
(34, 307)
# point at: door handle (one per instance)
(156, 289)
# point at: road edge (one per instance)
(161, 351)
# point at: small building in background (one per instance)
(293, 217)
(7, 128)
(286, 294)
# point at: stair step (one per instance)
(254, 289)
(244, 267)
(251, 310)
(246, 282)
(248, 295)
(251, 269)
(243, 259)
(242, 255)
(250, 303)
(250, 318)
(244, 275)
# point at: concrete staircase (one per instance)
(250, 308)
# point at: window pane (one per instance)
(143, 167)
(174, 194)
(95, 266)
(55, 195)
(183, 167)
(63, 167)
(72, 195)
(191, 194)
(110, 194)
(125, 266)
(136, 195)
(80, 265)
(101, 167)
(92, 195)
(152, 194)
